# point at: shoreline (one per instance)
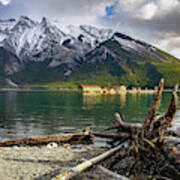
(58, 90)
(37, 90)
(42, 163)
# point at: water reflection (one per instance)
(10, 106)
(8, 111)
(91, 100)
(25, 114)
(122, 98)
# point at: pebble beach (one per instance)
(42, 163)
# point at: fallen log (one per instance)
(110, 135)
(112, 174)
(85, 165)
(73, 138)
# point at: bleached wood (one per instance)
(85, 165)
(39, 140)
(112, 174)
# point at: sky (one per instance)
(154, 21)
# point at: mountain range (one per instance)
(50, 54)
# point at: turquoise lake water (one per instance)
(31, 113)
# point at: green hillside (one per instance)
(108, 64)
(129, 68)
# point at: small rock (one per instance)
(52, 145)
(66, 145)
(15, 147)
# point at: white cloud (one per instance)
(168, 4)
(5, 2)
(171, 44)
(148, 11)
(69, 11)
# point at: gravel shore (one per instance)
(41, 163)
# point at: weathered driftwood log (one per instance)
(154, 129)
(153, 110)
(120, 125)
(85, 165)
(151, 118)
(110, 135)
(148, 142)
(112, 174)
(74, 138)
(124, 127)
(127, 127)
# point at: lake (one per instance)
(29, 113)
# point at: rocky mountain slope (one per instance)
(44, 52)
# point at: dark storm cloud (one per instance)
(155, 21)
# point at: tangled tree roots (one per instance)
(141, 151)
(148, 153)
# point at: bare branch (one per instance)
(157, 101)
(171, 112)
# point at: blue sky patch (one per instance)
(13, 10)
(110, 10)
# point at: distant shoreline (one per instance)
(37, 89)
(49, 89)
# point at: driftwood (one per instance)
(73, 138)
(122, 126)
(110, 135)
(128, 127)
(149, 146)
(150, 149)
(85, 165)
(112, 174)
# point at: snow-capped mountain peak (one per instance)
(100, 34)
(45, 23)
(36, 41)
(30, 39)
(6, 25)
(22, 24)
(42, 52)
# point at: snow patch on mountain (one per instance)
(54, 63)
(10, 83)
(6, 25)
(86, 33)
(14, 39)
(2, 37)
(99, 34)
(129, 44)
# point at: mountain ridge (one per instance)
(34, 52)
